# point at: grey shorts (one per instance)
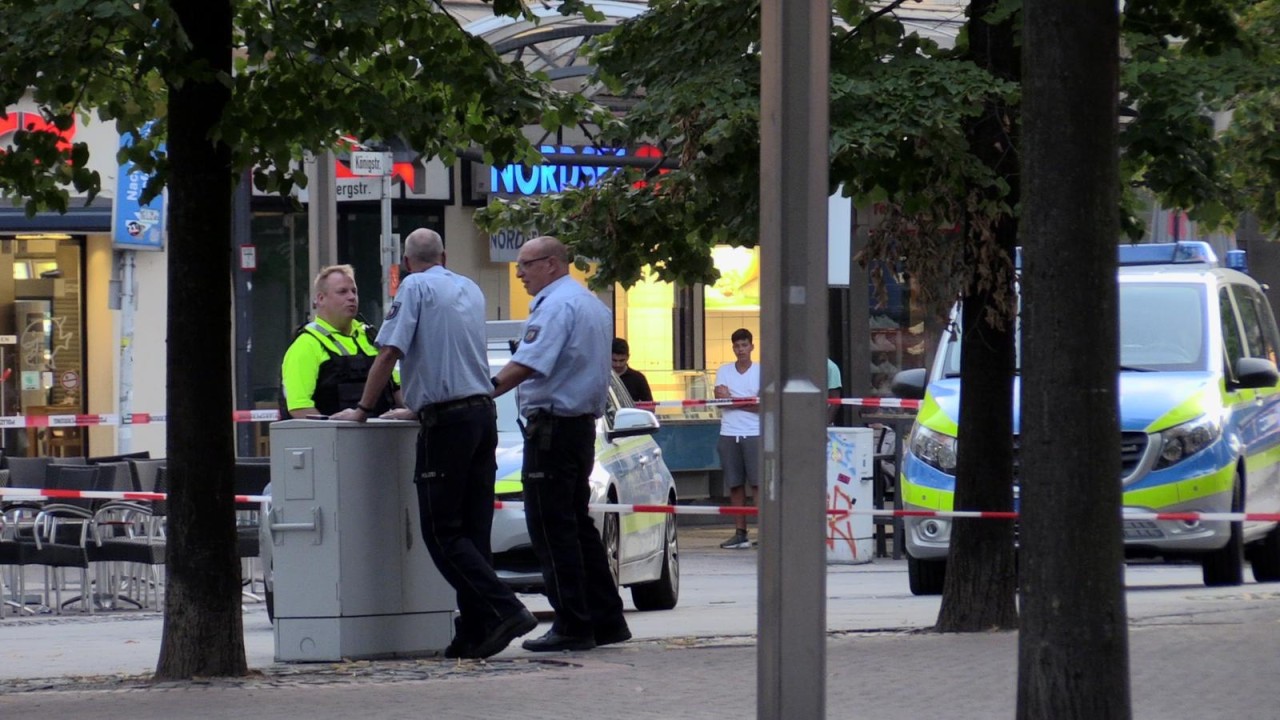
(739, 460)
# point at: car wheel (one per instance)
(1266, 557)
(270, 599)
(1225, 566)
(612, 538)
(663, 593)
(926, 577)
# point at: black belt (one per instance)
(541, 415)
(430, 412)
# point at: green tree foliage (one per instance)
(1252, 145)
(898, 110)
(304, 74)
(235, 85)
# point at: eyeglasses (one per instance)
(523, 265)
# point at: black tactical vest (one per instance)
(340, 381)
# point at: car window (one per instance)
(618, 398)
(1162, 326)
(1232, 343)
(1259, 325)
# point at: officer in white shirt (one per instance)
(739, 444)
(563, 362)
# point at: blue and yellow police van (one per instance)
(1199, 401)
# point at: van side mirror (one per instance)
(1253, 373)
(910, 384)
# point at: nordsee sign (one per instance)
(550, 178)
(505, 245)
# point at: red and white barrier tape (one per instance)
(54, 494)
(879, 402)
(111, 419)
(243, 416)
(40, 493)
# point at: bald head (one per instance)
(550, 246)
(424, 247)
(540, 262)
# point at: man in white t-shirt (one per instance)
(739, 444)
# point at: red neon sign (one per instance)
(34, 122)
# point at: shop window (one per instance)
(732, 302)
(42, 309)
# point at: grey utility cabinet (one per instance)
(352, 576)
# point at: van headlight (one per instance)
(934, 449)
(1182, 441)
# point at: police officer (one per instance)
(563, 362)
(325, 367)
(436, 325)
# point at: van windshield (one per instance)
(1162, 328)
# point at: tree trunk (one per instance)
(203, 629)
(980, 584)
(1073, 645)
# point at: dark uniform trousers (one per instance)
(559, 453)
(455, 475)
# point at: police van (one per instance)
(1199, 419)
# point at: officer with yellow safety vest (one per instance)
(325, 367)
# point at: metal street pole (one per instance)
(793, 240)
(389, 245)
(322, 215)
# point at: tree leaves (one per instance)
(305, 74)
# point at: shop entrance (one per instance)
(42, 341)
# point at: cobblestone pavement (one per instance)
(1223, 670)
(1194, 652)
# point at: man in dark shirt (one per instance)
(634, 380)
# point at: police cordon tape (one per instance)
(54, 494)
(873, 402)
(243, 416)
(112, 419)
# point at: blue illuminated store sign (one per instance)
(544, 179)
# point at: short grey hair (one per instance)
(424, 245)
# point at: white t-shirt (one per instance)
(739, 423)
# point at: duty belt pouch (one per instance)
(538, 430)
(428, 417)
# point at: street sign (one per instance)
(371, 164)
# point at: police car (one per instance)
(643, 548)
(1199, 417)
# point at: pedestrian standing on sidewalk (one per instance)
(436, 327)
(636, 383)
(834, 386)
(739, 444)
(563, 363)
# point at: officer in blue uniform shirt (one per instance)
(563, 367)
(436, 324)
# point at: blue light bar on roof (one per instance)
(1190, 252)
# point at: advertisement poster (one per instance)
(136, 226)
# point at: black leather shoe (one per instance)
(458, 648)
(613, 634)
(555, 642)
(502, 634)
